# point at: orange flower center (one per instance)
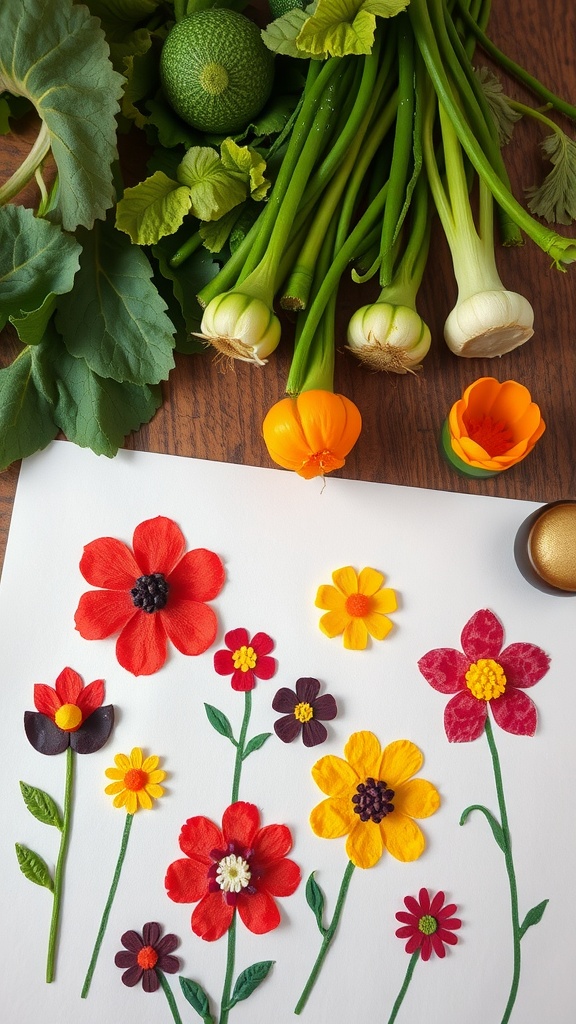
(322, 462)
(244, 658)
(494, 436)
(147, 958)
(303, 712)
(68, 717)
(135, 779)
(485, 679)
(357, 605)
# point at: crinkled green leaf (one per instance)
(27, 422)
(33, 867)
(341, 27)
(114, 318)
(186, 281)
(41, 805)
(247, 162)
(504, 115)
(153, 208)
(215, 233)
(54, 52)
(32, 326)
(36, 258)
(280, 35)
(555, 198)
(214, 189)
(249, 980)
(140, 69)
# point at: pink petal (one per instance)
(524, 664)
(464, 717)
(158, 545)
(199, 576)
(110, 564)
(482, 636)
(444, 668)
(515, 712)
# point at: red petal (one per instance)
(426, 947)
(46, 700)
(482, 636)
(259, 912)
(240, 823)
(515, 712)
(186, 880)
(223, 663)
(243, 681)
(236, 638)
(158, 545)
(524, 664)
(436, 904)
(199, 836)
(415, 942)
(405, 932)
(438, 945)
(265, 667)
(281, 879)
(190, 625)
(262, 644)
(272, 843)
(444, 668)
(69, 686)
(199, 576)
(110, 564)
(90, 698)
(410, 920)
(464, 717)
(413, 906)
(141, 646)
(102, 613)
(212, 917)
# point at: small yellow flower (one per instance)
(136, 781)
(356, 606)
(373, 799)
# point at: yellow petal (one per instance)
(346, 580)
(384, 601)
(355, 635)
(417, 797)
(334, 623)
(114, 787)
(157, 776)
(365, 844)
(115, 773)
(378, 625)
(144, 798)
(154, 790)
(131, 802)
(136, 758)
(363, 753)
(369, 581)
(332, 818)
(402, 837)
(150, 763)
(400, 760)
(120, 800)
(330, 598)
(123, 762)
(334, 776)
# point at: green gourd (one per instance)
(216, 71)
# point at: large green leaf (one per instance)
(36, 259)
(54, 53)
(115, 318)
(340, 27)
(27, 421)
(153, 208)
(214, 188)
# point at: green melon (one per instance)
(216, 72)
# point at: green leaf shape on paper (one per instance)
(41, 805)
(115, 318)
(27, 422)
(36, 259)
(153, 208)
(220, 722)
(249, 980)
(196, 996)
(54, 53)
(534, 916)
(315, 900)
(33, 867)
(214, 188)
(255, 743)
(341, 27)
(31, 326)
(497, 830)
(555, 198)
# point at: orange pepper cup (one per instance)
(313, 433)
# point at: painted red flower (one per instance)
(144, 955)
(245, 660)
(69, 714)
(429, 924)
(486, 675)
(240, 866)
(149, 595)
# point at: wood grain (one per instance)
(209, 414)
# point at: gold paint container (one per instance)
(545, 548)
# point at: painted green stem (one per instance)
(108, 907)
(407, 979)
(230, 957)
(169, 996)
(328, 936)
(240, 746)
(59, 871)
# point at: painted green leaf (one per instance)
(31, 326)
(36, 259)
(497, 830)
(33, 867)
(115, 318)
(214, 189)
(27, 421)
(153, 208)
(54, 52)
(533, 917)
(249, 980)
(315, 900)
(196, 996)
(255, 743)
(41, 805)
(219, 722)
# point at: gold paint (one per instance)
(552, 546)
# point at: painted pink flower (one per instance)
(485, 675)
(245, 660)
(429, 924)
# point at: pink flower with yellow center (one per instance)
(356, 606)
(136, 781)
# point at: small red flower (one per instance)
(69, 714)
(144, 955)
(245, 660)
(486, 675)
(240, 866)
(150, 595)
(429, 925)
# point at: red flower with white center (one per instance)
(149, 595)
(245, 660)
(69, 714)
(238, 867)
(429, 924)
(485, 675)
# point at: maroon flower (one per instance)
(429, 925)
(304, 712)
(245, 660)
(486, 675)
(144, 955)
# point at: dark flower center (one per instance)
(150, 593)
(372, 800)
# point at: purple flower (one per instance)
(304, 711)
(144, 955)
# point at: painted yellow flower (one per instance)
(356, 606)
(373, 799)
(136, 780)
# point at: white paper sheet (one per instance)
(446, 555)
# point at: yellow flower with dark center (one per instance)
(136, 780)
(356, 606)
(373, 799)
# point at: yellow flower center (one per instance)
(427, 924)
(68, 717)
(135, 779)
(147, 958)
(485, 679)
(303, 712)
(244, 658)
(357, 605)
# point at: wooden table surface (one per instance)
(209, 414)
